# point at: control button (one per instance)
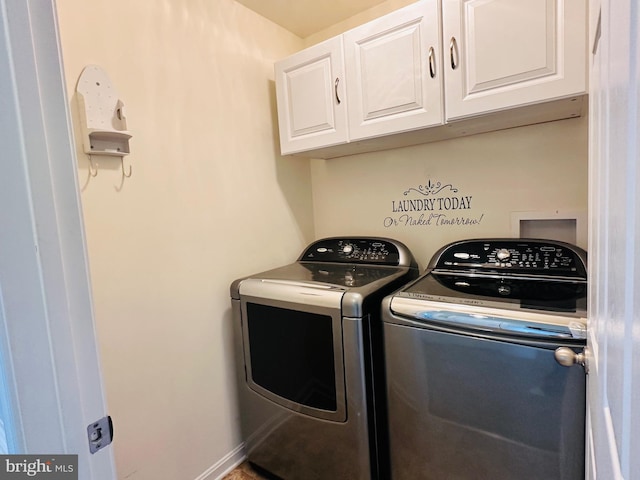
(321, 250)
(347, 249)
(462, 255)
(503, 254)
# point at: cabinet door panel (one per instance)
(522, 48)
(390, 63)
(510, 53)
(311, 99)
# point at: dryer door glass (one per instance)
(292, 355)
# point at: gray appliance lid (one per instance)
(364, 263)
(511, 293)
(527, 287)
(343, 275)
(357, 268)
(485, 318)
(509, 273)
(362, 278)
(340, 285)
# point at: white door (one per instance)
(613, 416)
(311, 95)
(394, 72)
(51, 388)
(504, 53)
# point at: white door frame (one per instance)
(47, 333)
(614, 271)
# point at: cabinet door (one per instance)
(505, 53)
(394, 72)
(310, 92)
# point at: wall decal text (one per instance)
(436, 205)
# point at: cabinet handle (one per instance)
(453, 51)
(432, 63)
(336, 89)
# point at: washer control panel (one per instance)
(358, 250)
(530, 256)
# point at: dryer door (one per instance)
(292, 337)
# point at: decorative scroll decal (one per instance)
(431, 188)
(436, 205)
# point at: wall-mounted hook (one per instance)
(122, 165)
(93, 172)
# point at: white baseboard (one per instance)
(223, 466)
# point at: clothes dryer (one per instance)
(310, 351)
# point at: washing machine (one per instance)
(309, 348)
(477, 357)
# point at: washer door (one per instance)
(292, 337)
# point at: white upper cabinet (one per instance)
(394, 72)
(310, 91)
(505, 53)
(432, 70)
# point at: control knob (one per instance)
(504, 289)
(347, 249)
(503, 254)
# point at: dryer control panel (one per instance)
(359, 250)
(525, 256)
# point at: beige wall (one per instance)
(208, 197)
(540, 168)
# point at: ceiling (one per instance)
(306, 17)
